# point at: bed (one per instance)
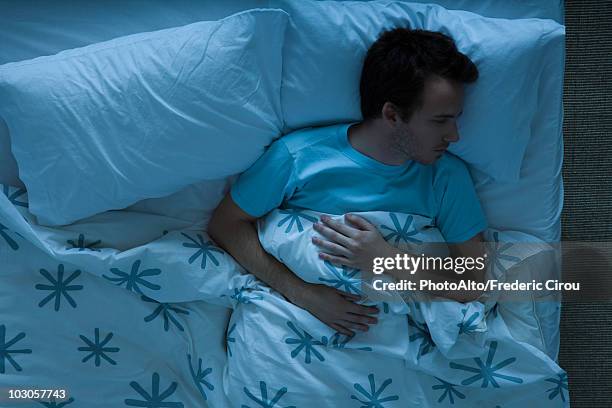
(142, 306)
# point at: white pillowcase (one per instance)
(327, 41)
(142, 116)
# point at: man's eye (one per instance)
(440, 121)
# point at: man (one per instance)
(394, 160)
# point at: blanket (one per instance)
(150, 312)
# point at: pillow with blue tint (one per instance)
(327, 41)
(142, 116)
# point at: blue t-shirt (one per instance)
(319, 170)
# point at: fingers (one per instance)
(357, 317)
(360, 222)
(330, 247)
(363, 310)
(358, 322)
(339, 226)
(355, 308)
(336, 260)
(355, 326)
(332, 234)
(341, 329)
(361, 319)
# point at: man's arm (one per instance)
(235, 231)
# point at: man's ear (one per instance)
(390, 114)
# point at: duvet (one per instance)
(133, 309)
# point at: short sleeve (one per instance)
(264, 185)
(460, 215)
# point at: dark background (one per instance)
(586, 327)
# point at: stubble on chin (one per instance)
(405, 143)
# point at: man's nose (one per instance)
(452, 136)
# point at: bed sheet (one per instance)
(67, 328)
(138, 304)
(104, 341)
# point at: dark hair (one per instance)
(398, 63)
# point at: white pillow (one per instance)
(326, 43)
(142, 116)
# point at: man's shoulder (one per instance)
(449, 168)
(310, 137)
(451, 165)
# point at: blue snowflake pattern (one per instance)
(561, 383)
(199, 377)
(165, 309)
(10, 241)
(244, 295)
(385, 307)
(263, 401)
(468, 325)
(448, 391)
(373, 397)
(400, 233)
(339, 341)
(487, 371)
(305, 342)
(422, 332)
(230, 339)
(293, 218)
(497, 254)
(154, 399)
(81, 244)
(344, 280)
(97, 348)
(204, 249)
(133, 279)
(59, 287)
(14, 196)
(5, 352)
(52, 403)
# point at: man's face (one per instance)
(428, 132)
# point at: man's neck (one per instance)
(373, 140)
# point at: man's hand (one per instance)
(335, 308)
(354, 245)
